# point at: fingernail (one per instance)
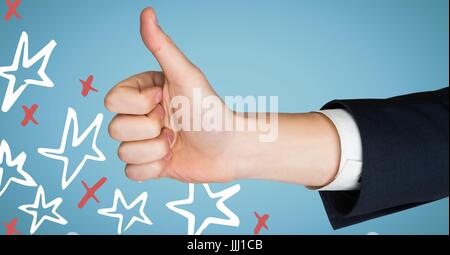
(169, 136)
(155, 19)
(161, 112)
(168, 156)
(158, 97)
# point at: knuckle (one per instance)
(155, 127)
(193, 75)
(164, 147)
(196, 74)
(188, 74)
(144, 103)
(113, 129)
(133, 175)
(109, 100)
(122, 152)
(137, 79)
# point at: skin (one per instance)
(306, 152)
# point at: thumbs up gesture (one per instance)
(150, 145)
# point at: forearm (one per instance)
(307, 151)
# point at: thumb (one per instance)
(172, 61)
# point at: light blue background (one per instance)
(305, 52)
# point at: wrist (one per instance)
(306, 151)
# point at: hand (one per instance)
(150, 147)
(306, 151)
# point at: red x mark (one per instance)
(11, 227)
(261, 223)
(90, 192)
(12, 9)
(29, 115)
(87, 86)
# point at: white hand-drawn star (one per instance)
(76, 141)
(233, 219)
(19, 161)
(112, 212)
(12, 95)
(38, 201)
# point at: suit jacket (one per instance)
(405, 143)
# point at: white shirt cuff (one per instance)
(350, 166)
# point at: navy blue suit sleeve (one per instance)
(405, 143)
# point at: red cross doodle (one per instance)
(11, 227)
(87, 86)
(29, 115)
(12, 9)
(261, 223)
(90, 192)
